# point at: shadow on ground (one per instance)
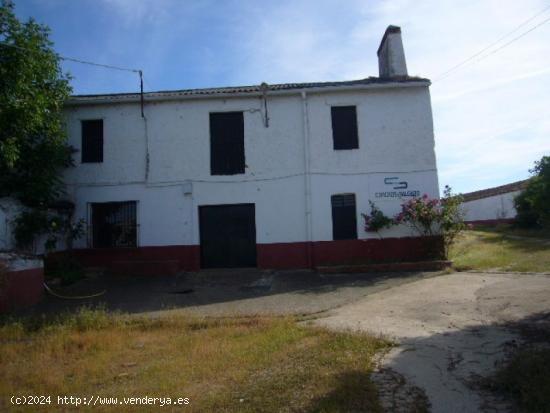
(224, 292)
(458, 368)
(353, 392)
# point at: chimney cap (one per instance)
(389, 30)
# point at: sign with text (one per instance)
(396, 187)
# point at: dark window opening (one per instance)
(114, 224)
(344, 217)
(92, 141)
(344, 127)
(227, 143)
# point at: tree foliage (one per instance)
(33, 145)
(533, 203)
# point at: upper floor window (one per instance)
(227, 143)
(344, 127)
(92, 141)
(344, 216)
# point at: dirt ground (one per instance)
(452, 330)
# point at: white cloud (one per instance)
(490, 116)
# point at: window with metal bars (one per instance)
(113, 224)
(227, 143)
(344, 217)
(344, 127)
(92, 141)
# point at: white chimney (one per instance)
(391, 56)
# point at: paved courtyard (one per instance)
(226, 292)
(452, 330)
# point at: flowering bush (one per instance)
(434, 217)
(376, 220)
(426, 216)
(422, 214)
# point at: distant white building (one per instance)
(492, 205)
(273, 176)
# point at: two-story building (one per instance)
(268, 176)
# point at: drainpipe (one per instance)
(147, 157)
(307, 182)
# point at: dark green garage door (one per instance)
(228, 236)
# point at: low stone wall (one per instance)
(21, 281)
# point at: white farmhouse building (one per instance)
(273, 176)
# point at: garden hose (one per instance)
(76, 297)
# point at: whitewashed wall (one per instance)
(395, 141)
(494, 207)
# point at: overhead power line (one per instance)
(471, 58)
(514, 39)
(85, 62)
(72, 59)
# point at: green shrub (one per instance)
(376, 220)
(533, 203)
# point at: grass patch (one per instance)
(245, 364)
(509, 229)
(503, 249)
(526, 379)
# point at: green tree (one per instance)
(533, 203)
(33, 88)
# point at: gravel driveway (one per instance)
(452, 329)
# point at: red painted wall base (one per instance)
(377, 250)
(137, 261)
(21, 289)
(292, 255)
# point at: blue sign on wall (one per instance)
(397, 188)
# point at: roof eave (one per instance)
(172, 96)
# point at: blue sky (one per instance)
(491, 117)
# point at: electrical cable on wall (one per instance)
(218, 181)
